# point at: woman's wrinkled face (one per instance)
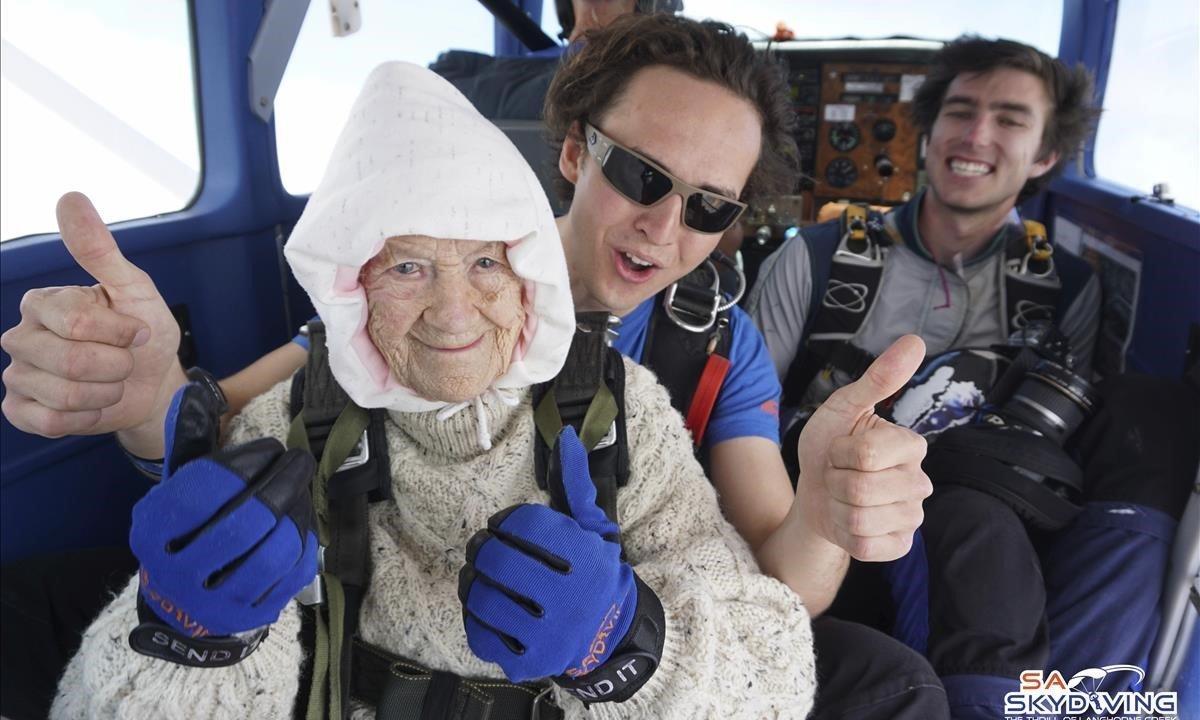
(445, 314)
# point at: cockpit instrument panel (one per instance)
(870, 148)
(854, 130)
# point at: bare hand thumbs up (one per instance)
(91, 360)
(860, 475)
(883, 378)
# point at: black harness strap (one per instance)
(363, 478)
(590, 362)
(987, 460)
(401, 689)
(678, 355)
(852, 268)
(441, 696)
(846, 279)
(1031, 285)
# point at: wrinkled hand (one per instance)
(861, 481)
(91, 360)
(545, 594)
(226, 539)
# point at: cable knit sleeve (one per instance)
(738, 642)
(107, 679)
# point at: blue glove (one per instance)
(225, 540)
(545, 594)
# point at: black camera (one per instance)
(1049, 398)
(1014, 449)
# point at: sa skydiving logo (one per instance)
(1091, 694)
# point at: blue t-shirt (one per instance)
(748, 404)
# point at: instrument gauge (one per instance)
(844, 136)
(884, 130)
(841, 172)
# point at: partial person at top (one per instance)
(514, 87)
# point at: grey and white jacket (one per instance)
(949, 308)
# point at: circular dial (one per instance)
(840, 172)
(844, 136)
(884, 130)
(884, 166)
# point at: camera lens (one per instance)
(1052, 400)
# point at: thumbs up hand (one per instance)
(546, 594)
(861, 483)
(92, 360)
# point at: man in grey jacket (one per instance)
(996, 137)
(981, 594)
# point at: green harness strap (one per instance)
(325, 692)
(601, 413)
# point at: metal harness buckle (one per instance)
(609, 438)
(611, 323)
(359, 456)
(535, 710)
(717, 306)
(872, 254)
(1022, 267)
(314, 592)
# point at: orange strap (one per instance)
(705, 396)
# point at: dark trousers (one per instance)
(863, 674)
(47, 603)
(985, 597)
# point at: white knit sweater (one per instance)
(738, 643)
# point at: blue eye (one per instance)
(406, 268)
(486, 263)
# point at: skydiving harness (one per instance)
(689, 339)
(353, 472)
(848, 268)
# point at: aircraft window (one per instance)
(1150, 130)
(97, 97)
(325, 72)
(1036, 22)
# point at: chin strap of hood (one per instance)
(482, 430)
(415, 158)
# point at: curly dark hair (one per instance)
(592, 80)
(1072, 118)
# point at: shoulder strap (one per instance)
(1031, 281)
(847, 266)
(317, 396)
(353, 470)
(691, 358)
(589, 395)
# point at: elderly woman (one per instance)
(431, 255)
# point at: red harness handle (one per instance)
(705, 396)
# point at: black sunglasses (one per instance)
(647, 184)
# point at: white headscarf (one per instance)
(415, 158)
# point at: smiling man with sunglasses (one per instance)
(664, 125)
(665, 128)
